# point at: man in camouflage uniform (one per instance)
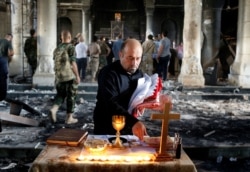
(67, 85)
(148, 48)
(105, 50)
(30, 50)
(94, 52)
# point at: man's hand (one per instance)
(157, 59)
(78, 79)
(10, 55)
(139, 130)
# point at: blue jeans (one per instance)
(3, 77)
(82, 66)
(162, 68)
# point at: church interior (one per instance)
(213, 101)
(135, 19)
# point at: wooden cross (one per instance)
(165, 117)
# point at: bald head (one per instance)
(66, 36)
(130, 55)
(130, 42)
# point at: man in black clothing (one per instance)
(116, 84)
(30, 50)
(111, 54)
(6, 54)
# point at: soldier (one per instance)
(66, 78)
(30, 50)
(105, 50)
(94, 52)
(148, 48)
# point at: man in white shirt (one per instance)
(81, 57)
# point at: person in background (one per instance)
(179, 50)
(30, 50)
(6, 54)
(117, 47)
(116, 84)
(111, 54)
(66, 78)
(157, 39)
(148, 47)
(163, 56)
(105, 51)
(94, 51)
(75, 40)
(81, 57)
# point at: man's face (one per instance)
(130, 57)
(9, 38)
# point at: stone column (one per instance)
(149, 15)
(191, 70)
(240, 69)
(28, 15)
(16, 65)
(90, 30)
(211, 27)
(46, 37)
(85, 24)
(149, 9)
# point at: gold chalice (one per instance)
(118, 122)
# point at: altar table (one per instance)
(57, 158)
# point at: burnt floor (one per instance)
(214, 126)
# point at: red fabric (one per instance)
(156, 91)
(155, 102)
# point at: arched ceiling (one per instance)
(121, 5)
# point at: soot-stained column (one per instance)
(191, 70)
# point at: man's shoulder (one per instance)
(33, 38)
(80, 44)
(66, 45)
(97, 45)
(83, 44)
(3, 41)
(30, 39)
(166, 39)
(110, 67)
(105, 44)
(117, 43)
(60, 45)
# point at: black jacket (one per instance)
(115, 88)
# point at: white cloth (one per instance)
(145, 88)
(81, 50)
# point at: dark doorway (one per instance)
(63, 23)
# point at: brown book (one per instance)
(67, 136)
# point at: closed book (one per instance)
(67, 136)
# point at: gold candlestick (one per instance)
(118, 122)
